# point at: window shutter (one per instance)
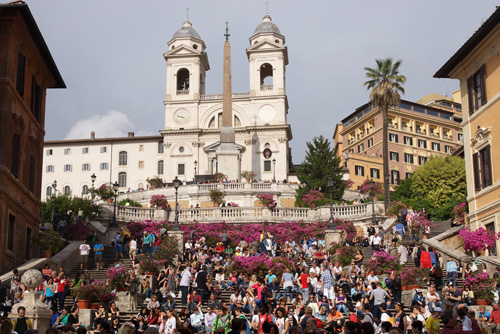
(21, 61)
(470, 92)
(488, 177)
(475, 170)
(482, 75)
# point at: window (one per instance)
(182, 81)
(21, 62)
(361, 148)
(447, 149)
(27, 245)
(67, 190)
(477, 90)
(481, 162)
(422, 160)
(104, 166)
(85, 167)
(16, 154)
(122, 179)
(461, 137)
(408, 175)
(67, 151)
(181, 149)
(370, 142)
(436, 147)
(49, 169)
(141, 148)
(103, 149)
(395, 177)
(36, 99)
(68, 168)
(31, 175)
(422, 143)
(85, 150)
(267, 165)
(49, 152)
(160, 167)
(393, 137)
(160, 146)
(394, 156)
(408, 158)
(85, 190)
(48, 191)
(141, 165)
(10, 232)
(408, 141)
(122, 158)
(180, 169)
(374, 173)
(359, 170)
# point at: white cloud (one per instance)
(111, 124)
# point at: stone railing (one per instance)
(446, 244)
(220, 96)
(242, 214)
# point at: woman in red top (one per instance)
(220, 249)
(425, 259)
(62, 283)
(304, 284)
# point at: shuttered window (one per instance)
(482, 169)
(477, 90)
(21, 64)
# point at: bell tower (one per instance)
(267, 56)
(187, 63)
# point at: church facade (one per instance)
(193, 120)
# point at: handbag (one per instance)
(473, 268)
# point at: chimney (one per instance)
(92, 135)
(130, 134)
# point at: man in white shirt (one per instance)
(84, 254)
(402, 254)
(315, 269)
(376, 241)
(185, 283)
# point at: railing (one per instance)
(261, 186)
(220, 96)
(296, 213)
(209, 186)
(392, 126)
(434, 135)
(233, 186)
(134, 213)
(448, 138)
(183, 92)
(266, 87)
(420, 132)
(350, 210)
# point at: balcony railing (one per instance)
(266, 87)
(220, 96)
(392, 126)
(435, 135)
(183, 92)
(448, 138)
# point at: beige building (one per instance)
(477, 65)
(416, 132)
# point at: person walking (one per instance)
(132, 284)
(98, 248)
(451, 271)
(84, 254)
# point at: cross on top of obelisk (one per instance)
(227, 31)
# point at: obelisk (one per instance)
(228, 161)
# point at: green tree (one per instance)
(386, 84)
(319, 164)
(64, 202)
(441, 180)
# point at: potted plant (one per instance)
(483, 287)
(219, 176)
(267, 200)
(420, 225)
(248, 175)
(460, 212)
(150, 266)
(50, 241)
(217, 196)
(159, 201)
(117, 276)
(106, 193)
(479, 240)
(312, 198)
(155, 182)
(411, 277)
(84, 294)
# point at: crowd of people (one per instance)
(314, 294)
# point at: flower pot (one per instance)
(482, 302)
(405, 288)
(413, 287)
(425, 236)
(216, 205)
(83, 304)
(46, 254)
(109, 200)
(94, 306)
(151, 273)
(121, 289)
(248, 180)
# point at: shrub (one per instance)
(129, 202)
(155, 181)
(77, 230)
(312, 198)
(365, 189)
(217, 196)
(478, 240)
(159, 201)
(254, 264)
(267, 200)
(50, 240)
(459, 212)
(395, 208)
(482, 285)
(383, 261)
(117, 275)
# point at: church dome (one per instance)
(186, 31)
(267, 27)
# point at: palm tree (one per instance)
(385, 83)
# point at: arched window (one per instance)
(160, 167)
(266, 77)
(48, 191)
(140, 186)
(160, 146)
(183, 80)
(67, 190)
(217, 124)
(85, 190)
(122, 179)
(237, 122)
(122, 158)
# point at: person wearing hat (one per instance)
(432, 324)
(418, 299)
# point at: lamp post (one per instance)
(92, 177)
(372, 188)
(116, 186)
(419, 195)
(54, 185)
(53, 199)
(177, 183)
(331, 225)
(195, 164)
(274, 170)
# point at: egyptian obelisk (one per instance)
(228, 161)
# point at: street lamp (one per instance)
(54, 185)
(331, 226)
(116, 186)
(92, 177)
(372, 193)
(419, 195)
(177, 183)
(274, 170)
(53, 199)
(195, 164)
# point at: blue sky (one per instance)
(110, 54)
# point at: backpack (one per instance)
(391, 319)
(263, 296)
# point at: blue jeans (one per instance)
(247, 308)
(341, 307)
(184, 290)
(453, 275)
(145, 249)
(148, 293)
(305, 293)
(289, 290)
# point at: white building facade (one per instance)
(186, 144)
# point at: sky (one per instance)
(110, 55)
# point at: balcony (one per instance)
(220, 96)
(392, 126)
(266, 87)
(407, 128)
(183, 92)
(435, 135)
(448, 138)
(421, 132)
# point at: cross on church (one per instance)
(187, 13)
(267, 7)
(227, 31)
